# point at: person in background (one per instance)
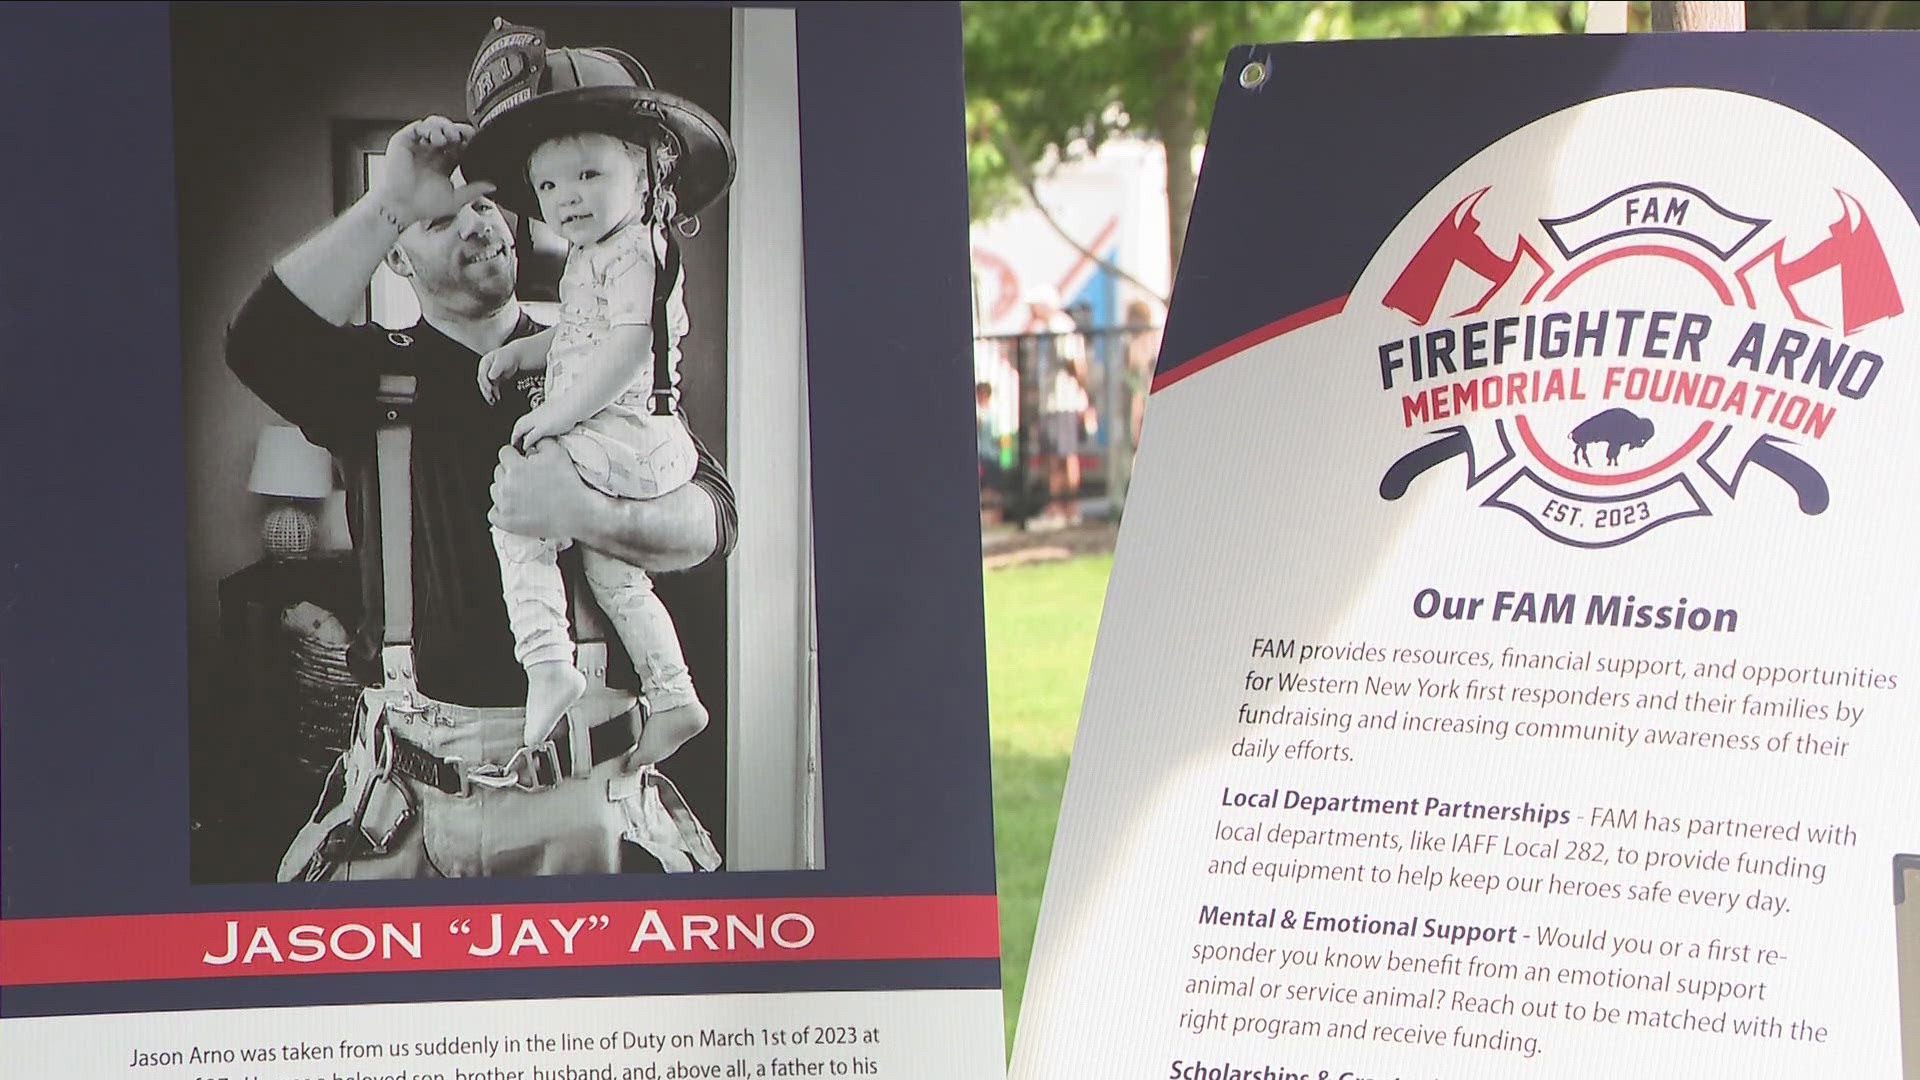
(1065, 408)
(987, 449)
(1143, 351)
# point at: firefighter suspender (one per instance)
(664, 395)
(393, 467)
(393, 473)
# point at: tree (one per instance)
(1830, 14)
(1047, 82)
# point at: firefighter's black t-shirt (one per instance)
(323, 379)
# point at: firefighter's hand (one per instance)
(417, 182)
(538, 493)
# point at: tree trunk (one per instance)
(1022, 171)
(1178, 133)
(1699, 15)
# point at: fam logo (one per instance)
(1636, 358)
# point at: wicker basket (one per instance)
(324, 692)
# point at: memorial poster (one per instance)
(270, 806)
(1508, 667)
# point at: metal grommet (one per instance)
(393, 414)
(1253, 74)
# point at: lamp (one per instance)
(288, 467)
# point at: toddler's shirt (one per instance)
(610, 283)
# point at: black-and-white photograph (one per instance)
(499, 550)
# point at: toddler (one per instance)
(609, 390)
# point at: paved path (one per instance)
(1005, 546)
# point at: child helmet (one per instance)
(521, 93)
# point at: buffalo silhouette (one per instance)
(1617, 428)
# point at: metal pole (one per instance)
(1020, 501)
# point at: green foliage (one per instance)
(1055, 79)
(1060, 77)
(1831, 14)
(1047, 82)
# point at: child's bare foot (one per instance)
(552, 688)
(680, 723)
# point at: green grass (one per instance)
(1041, 620)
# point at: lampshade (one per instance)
(287, 465)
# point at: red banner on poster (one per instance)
(126, 948)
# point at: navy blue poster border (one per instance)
(1307, 174)
(92, 670)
